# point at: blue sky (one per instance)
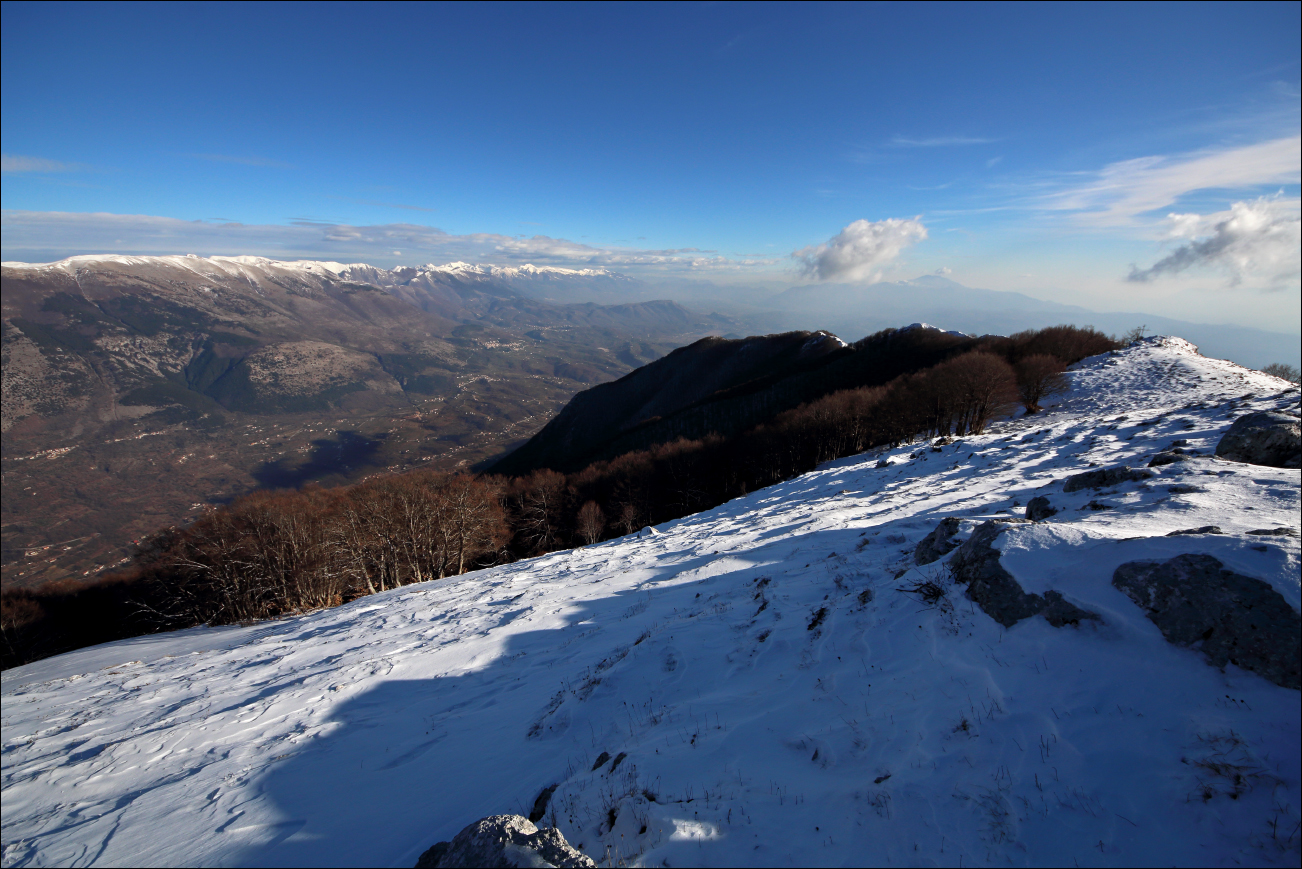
(1036, 148)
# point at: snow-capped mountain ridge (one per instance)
(764, 683)
(345, 271)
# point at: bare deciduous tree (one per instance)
(1038, 377)
(591, 522)
(1283, 371)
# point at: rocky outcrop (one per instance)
(1168, 457)
(540, 804)
(1104, 478)
(503, 841)
(1038, 509)
(1267, 438)
(1000, 596)
(1232, 619)
(938, 543)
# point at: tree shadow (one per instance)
(344, 454)
(409, 762)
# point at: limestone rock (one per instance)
(1232, 619)
(1267, 438)
(1038, 509)
(503, 841)
(1103, 478)
(994, 589)
(939, 542)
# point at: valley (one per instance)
(139, 391)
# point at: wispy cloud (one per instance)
(1123, 191)
(858, 252)
(940, 141)
(17, 164)
(26, 234)
(1255, 239)
(263, 162)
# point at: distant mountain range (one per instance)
(854, 310)
(864, 309)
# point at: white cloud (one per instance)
(944, 270)
(12, 164)
(858, 252)
(1121, 191)
(53, 235)
(1256, 239)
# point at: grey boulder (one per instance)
(503, 841)
(939, 542)
(1267, 438)
(1104, 478)
(1038, 509)
(997, 592)
(1232, 619)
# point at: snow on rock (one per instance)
(930, 328)
(761, 689)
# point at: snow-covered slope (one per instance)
(742, 687)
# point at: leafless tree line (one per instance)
(271, 553)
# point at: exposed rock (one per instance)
(1038, 509)
(1103, 478)
(503, 841)
(1059, 612)
(432, 855)
(1232, 619)
(939, 542)
(996, 591)
(1205, 529)
(1169, 457)
(601, 758)
(1267, 438)
(1275, 532)
(540, 805)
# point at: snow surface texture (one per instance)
(756, 688)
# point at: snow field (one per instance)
(762, 690)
